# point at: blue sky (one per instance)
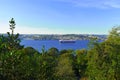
(60, 16)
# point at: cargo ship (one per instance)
(67, 41)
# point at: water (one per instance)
(38, 44)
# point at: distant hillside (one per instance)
(62, 37)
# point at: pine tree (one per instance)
(13, 39)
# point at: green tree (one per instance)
(3, 44)
(12, 25)
(64, 69)
(9, 58)
(46, 67)
(13, 39)
(104, 58)
(53, 52)
(81, 62)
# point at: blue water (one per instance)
(38, 44)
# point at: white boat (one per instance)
(67, 41)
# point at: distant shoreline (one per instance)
(62, 37)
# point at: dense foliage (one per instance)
(100, 62)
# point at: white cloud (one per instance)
(94, 3)
(4, 28)
(42, 30)
(31, 30)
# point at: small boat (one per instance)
(67, 41)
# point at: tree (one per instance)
(53, 52)
(114, 41)
(13, 40)
(9, 58)
(3, 44)
(104, 58)
(64, 69)
(81, 62)
(12, 25)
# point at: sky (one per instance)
(60, 16)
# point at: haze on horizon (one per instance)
(60, 16)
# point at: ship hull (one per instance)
(67, 41)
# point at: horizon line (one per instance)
(58, 34)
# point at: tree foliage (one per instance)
(64, 69)
(104, 58)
